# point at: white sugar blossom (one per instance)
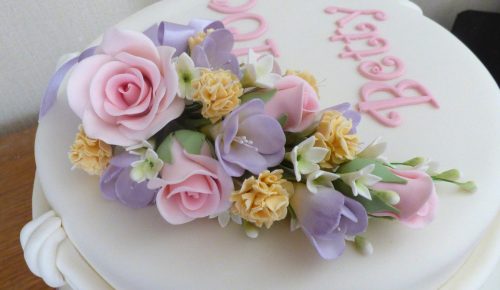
(374, 150)
(258, 71)
(147, 167)
(225, 217)
(187, 72)
(305, 157)
(359, 181)
(140, 148)
(319, 179)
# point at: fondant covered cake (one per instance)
(246, 144)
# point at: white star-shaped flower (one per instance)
(374, 150)
(225, 217)
(187, 72)
(359, 181)
(258, 71)
(319, 179)
(147, 168)
(305, 157)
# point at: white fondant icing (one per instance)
(52, 257)
(136, 249)
(39, 240)
(485, 257)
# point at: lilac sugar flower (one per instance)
(116, 184)
(327, 217)
(177, 35)
(249, 140)
(215, 52)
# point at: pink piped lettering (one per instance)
(393, 119)
(353, 13)
(375, 70)
(224, 7)
(270, 46)
(259, 31)
(380, 45)
(367, 30)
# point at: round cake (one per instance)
(413, 83)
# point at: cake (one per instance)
(413, 83)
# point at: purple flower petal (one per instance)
(247, 158)
(328, 247)
(262, 140)
(116, 184)
(131, 193)
(260, 143)
(327, 217)
(354, 227)
(215, 52)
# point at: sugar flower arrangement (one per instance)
(172, 119)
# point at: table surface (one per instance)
(17, 171)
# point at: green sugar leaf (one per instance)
(380, 170)
(164, 151)
(191, 141)
(282, 120)
(264, 95)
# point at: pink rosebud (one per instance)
(126, 92)
(296, 99)
(193, 186)
(418, 199)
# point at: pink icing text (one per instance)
(375, 71)
(240, 13)
(393, 119)
(368, 34)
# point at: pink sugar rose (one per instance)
(126, 92)
(193, 186)
(297, 100)
(418, 199)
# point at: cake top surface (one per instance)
(136, 249)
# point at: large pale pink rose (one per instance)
(126, 92)
(418, 199)
(297, 100)
(194, 186)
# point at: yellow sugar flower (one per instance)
(333, 133)
(305, 75)
(198, 38)
(263, 200)
(90, 155)
(218, 91)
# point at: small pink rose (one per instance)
(418, 199)
(194, 186)
(126, 92)
(297, 100)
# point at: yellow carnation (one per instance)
(333, 133)
(198, 38)
(305, 75)
(264, 200)
(219, 92)
(90, 155)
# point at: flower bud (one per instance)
(468, 186)
(389, 196)
(363, 245)
(452, 175)
(251, 230)
(414, 161)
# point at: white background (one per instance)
(34, 34)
